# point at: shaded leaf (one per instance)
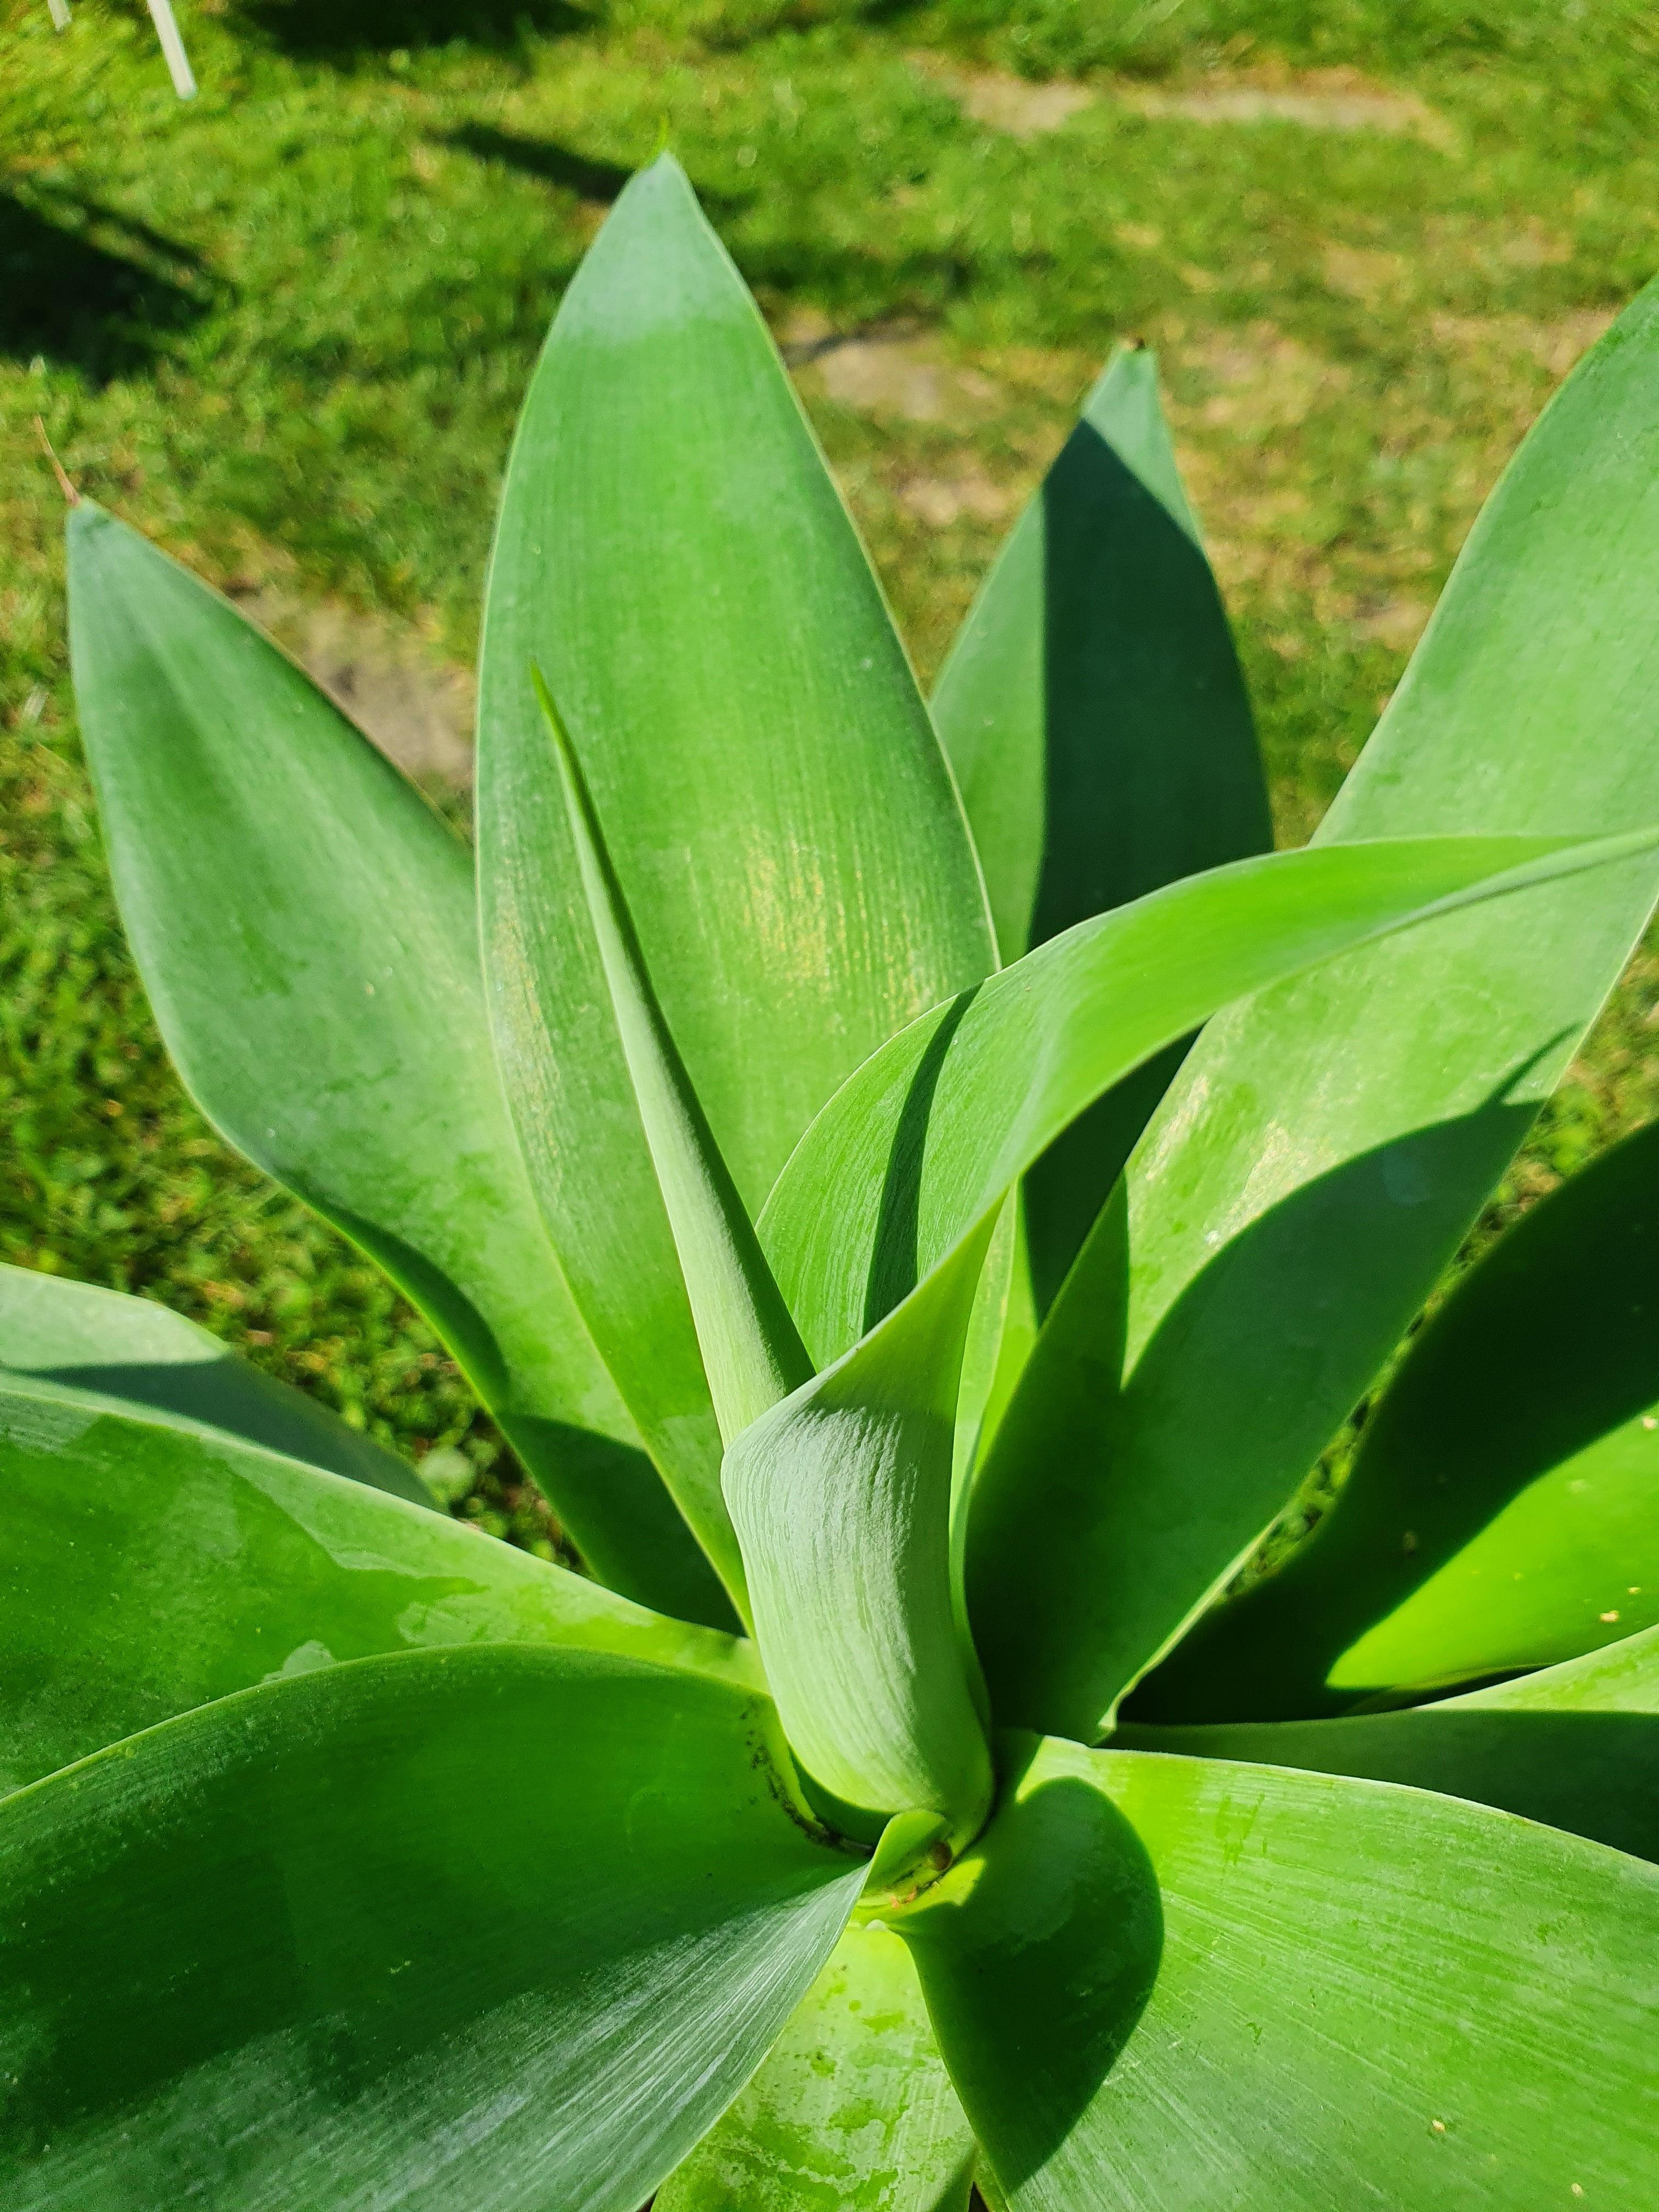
(853, 2111)
(305, 926)
(150, 1564)
(1169, 1985)
(1575, 1747)
(1370, 1108)
(138, 1354)
(672, 554)
(350, 1940)
(1502, 1511)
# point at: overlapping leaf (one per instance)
(151, 1565)
(304, 924)
(672, 555)
(138, 1354)
(1324, 1149)
(1094, 712)
(841, 1499)
(485, 1929)
(1181, 1984)
(1575, 1747)
(919, 1145)
(1503, 1508)
(853, 2111)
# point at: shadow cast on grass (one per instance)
(89, 288)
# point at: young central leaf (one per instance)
(841, 1500)
(750, 1347)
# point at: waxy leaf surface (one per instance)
(673, 556)
(919, 1145)
(139, 1355)
(1502, 1511)
(1092, 705)
(1369, 1107)
(150, 1564)
(1167, 1985)
(1575, 1747)
(853, 2111)
(841, 1499)
(305, 926)
(485, 1931)
(1094, 712)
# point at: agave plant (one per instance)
(816, 1173)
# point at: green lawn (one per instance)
(284, 329)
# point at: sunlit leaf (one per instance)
(1167, 1985)
(916, 1148)
(853, 2111)
(484, 1929)
(1324, 1149)
(672, 555)
(1503, 1509)
(305, 926)
(842, 1498)
(1575, 1746)
(150, 1564)
(138, 1354)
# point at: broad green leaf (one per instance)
(486, 1929)
(841, 1499)
(1503, 1508)
(752, 1353)
(1092, 705)
(305, 926)
(1169, 1985)
(1575, 1747)
(138, 1354)
(1324, 1149)
(149, 1564)
(853, 2111)
(672, 555)
(916, 1148)
(1093, 709)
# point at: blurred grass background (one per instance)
(284, 329)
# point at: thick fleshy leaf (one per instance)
(1503, 1508)
(916, 1148)
(1092, 705)
(1575, 1747)
(752, 1353)
(1368, 1109)
(672, 555)
(841, 1499)
(149, 1565)
(138, 1354)
(486, 1929)
(305, 926)
(853, 2111)
(1167, 1985)
(1094, 712)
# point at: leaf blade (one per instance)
(853, 2111)
(840, 1497)
(352, 1841)
(672, 553)
(152, 1566)
(138, 1353)
(1574, 1747)
(1372, 1106)
(1499, 1513)
(335, 1032)
(1231, 2006)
